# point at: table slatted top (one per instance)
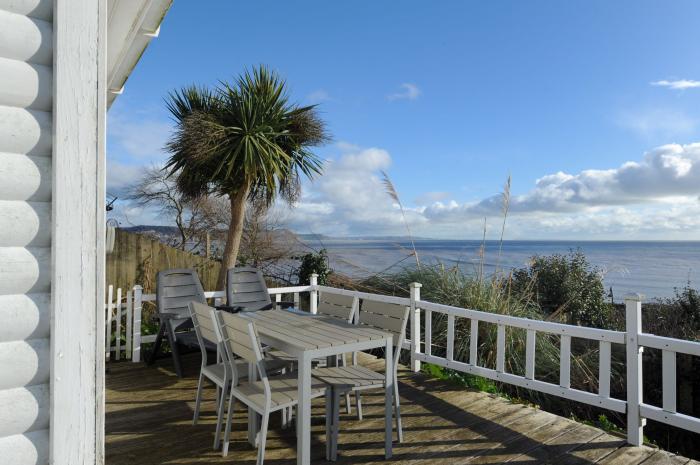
(304, 331)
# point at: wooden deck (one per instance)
(149, 421)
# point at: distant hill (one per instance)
(144, 228)
(282, 233)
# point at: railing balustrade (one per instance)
(129, 306)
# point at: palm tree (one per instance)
(245, 141)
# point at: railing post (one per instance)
(108, 330)
(138, 304)
(313, 294)
(633, 327)
(415, 326)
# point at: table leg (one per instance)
(253, 417)
(304, 412)
(388, 396)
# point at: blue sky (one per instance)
(598, 100)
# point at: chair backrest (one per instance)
(174, 292)
(239, 338)
(204, 326)
(343, 307)
(391, 318)
(245, 287)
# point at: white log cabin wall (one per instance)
(26, 73)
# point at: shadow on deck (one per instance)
(149, 421)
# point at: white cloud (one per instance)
(680, 84)
(318, 96)
(655, 197)
(408, 92)
(349, 198)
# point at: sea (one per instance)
(652, 268)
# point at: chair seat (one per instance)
(283, 389)
(352, 377)
(189, 339)
(215, 372)
(278, 355)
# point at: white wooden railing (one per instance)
(129, 305)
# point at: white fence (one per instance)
(128, 307)
(123, 318)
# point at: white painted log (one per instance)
(78, 234)
(25, 85)
(25, 39)
(27, 224)
(25, 131)
(24, 316)
(24, 409)
(24, 363)
(40, 9)
(26, 449)
(25, 177)
(24, 270)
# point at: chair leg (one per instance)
(198, 399)
(176, 357)
(220, 418)
(329, 417)
(156, 346)
(262, 438)
(229, 420)
(336, 425)
(397, 409)
(343, 363)
(358, 401)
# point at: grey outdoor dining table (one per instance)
(307, 337)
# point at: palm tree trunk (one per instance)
(235, 232)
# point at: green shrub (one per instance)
(314, 262)
(566, 285)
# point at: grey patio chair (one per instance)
(246, 290)
(390, 318)
(219, 373)
(343, 308)
(239, 338)
(175, 290)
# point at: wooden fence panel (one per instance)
(137, 258)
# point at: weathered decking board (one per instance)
(149, 421)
